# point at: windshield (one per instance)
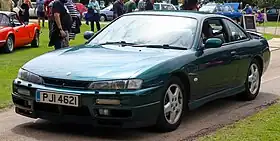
(207, 8)
(149, 29)
(4, 20)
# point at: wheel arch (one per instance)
(13, 36)
(260, 61)
(185, 81)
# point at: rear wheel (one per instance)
(102, 18)
(253, 82)
(9, 45)
(36, 41)
(172, 106)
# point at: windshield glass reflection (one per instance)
(150, 29)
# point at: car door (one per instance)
(21, 33)
(215, 70)
(240, 43)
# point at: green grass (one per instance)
(270, 36)
(269, 24)
(10, 63)
(264, 126)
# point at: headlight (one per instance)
(117, 84)
(30, 77)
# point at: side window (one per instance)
(235, 32)
(15, 21)
(214, 28)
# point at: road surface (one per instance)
(196, 123)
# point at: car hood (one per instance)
(98, 63)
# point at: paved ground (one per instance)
(198, 122)
(269, 30)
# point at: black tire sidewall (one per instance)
(162, 124)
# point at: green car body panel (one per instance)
(206, 74)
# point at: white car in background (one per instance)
(32, 12)
(164, 6)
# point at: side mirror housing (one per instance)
(213, 43)
(88, 35)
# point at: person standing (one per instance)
(75, 15)
(149, 5)
(94, 14)
(130, 6)
(48, 12)
(61, 25)
(40, 12)
(24, 11)
(141, 5)
(118, 8)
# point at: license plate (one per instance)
(58, 98)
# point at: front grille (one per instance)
(64, 110)
(76, 84)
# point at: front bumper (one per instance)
(137, 109)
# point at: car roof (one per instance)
(7, 13)
(182, 13)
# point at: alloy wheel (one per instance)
(10, 44)
(173, 104)
(253, 79)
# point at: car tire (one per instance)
(9, 45)
(36, 41)
(171, 107)
(103, 18)
(252, 83)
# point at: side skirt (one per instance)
(222, 94)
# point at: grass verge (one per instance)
(263, 126)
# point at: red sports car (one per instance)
(14, 33)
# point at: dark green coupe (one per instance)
(144, 69)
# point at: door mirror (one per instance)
(88, 35)
(213, 43)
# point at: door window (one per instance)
(15, 21)
(214, 28)
(235, 32)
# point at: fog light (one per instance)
(23, 91)
(104, 112)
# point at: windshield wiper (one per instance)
(123, 43)
(164, 46)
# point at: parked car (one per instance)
(272, 13)
(164, 6)
(32, 12)
(133, 77)
(15, 33)
(107, 13)
(225, 10)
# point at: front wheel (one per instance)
(253, 82)
(172, 106)
(9, 45)
(36, 41)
